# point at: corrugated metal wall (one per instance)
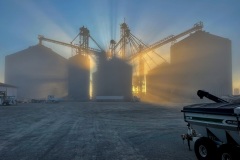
(200, 61)
(113, 78)
(37, 72)
(79, 77)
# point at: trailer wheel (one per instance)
(205, 149)
(228, 152)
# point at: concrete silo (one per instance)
(113, 78)
(79, 77)
(200, 61)
(37, 72)
(203, 61)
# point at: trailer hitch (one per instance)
(189, 136)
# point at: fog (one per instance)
(37, 72)
(113, 78)
(200, 61)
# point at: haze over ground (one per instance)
(23, 21)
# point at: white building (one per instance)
(9, 89)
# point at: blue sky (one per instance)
(150, 20)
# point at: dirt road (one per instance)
(92, 131)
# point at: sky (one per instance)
(21, 21)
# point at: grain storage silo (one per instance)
(200, 61)
(113, 79)
(79, 77)
(203, 61)
(37, 72)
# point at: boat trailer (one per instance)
(214, 128)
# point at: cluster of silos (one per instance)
(38, 72)
(113, 78)
(200, 61)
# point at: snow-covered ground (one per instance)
(102, 131)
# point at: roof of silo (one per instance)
(37, 49)
(199, 35)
